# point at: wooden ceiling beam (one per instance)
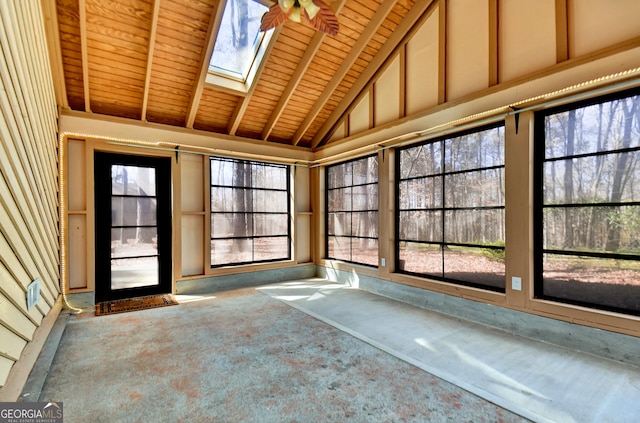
(359, 46)
(212, 34)
(241, 108)
(297, 76)
(52, 31)
(82, 8)
(152, 43)
(416, 14)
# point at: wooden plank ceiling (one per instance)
(146, 60)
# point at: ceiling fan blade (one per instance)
(272, 18)
(324, 20)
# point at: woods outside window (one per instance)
(352, 211)
(588, 203)
(250, 212)
(450, 209)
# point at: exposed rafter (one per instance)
(244, 102)
(303, 65)
(365, 37)
(55, 52)
(196, 94)
(416, 14)
(152, 43)
(82, 7)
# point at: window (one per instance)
(250, 212)
(239, 45)
(588, 203)
(450, 209)
(352, 211)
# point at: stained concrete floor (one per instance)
(474, 366)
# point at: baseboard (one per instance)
(213, 284)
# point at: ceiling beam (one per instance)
(82, 9)
(297, 76)
(152, 43)
(416, 14)
(212, 34)
(242, 105)
(343, 69)
(52, 32)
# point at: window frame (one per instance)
(220, 78)
(539, 160)
(328, 212)
(252, 213)
(441, 244)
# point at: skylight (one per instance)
(239, 43)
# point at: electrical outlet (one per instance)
(383, 262)
(516, 283)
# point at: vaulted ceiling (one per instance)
(147, 60)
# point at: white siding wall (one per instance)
(28, 179)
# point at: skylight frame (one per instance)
(232, 81)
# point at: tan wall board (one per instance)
(192, 252)
(77, 191)
(386, 94)
(302, 190)
(596, 24)
(526, 37)
(360, 117)
(303, 239)
(192, 180)
(467, 54)
(422, 67)
(77, 252)
(519, 213)
(340, 132)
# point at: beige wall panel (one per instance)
(77, 176)
(422, 67)
(386, 94)
(526, 37)
(192, 245)
(77, 253)
(467, 56)
(595, 24)
(303, 238)
(339, 133)
(302, 189)
(192, 182)
(359, 116)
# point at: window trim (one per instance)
(398, 180)
(538, 202)
(227, 81)
(326, 216)
(289, 234)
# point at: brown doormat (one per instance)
(135, 304)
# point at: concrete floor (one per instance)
(542, 382)
(537, 380)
